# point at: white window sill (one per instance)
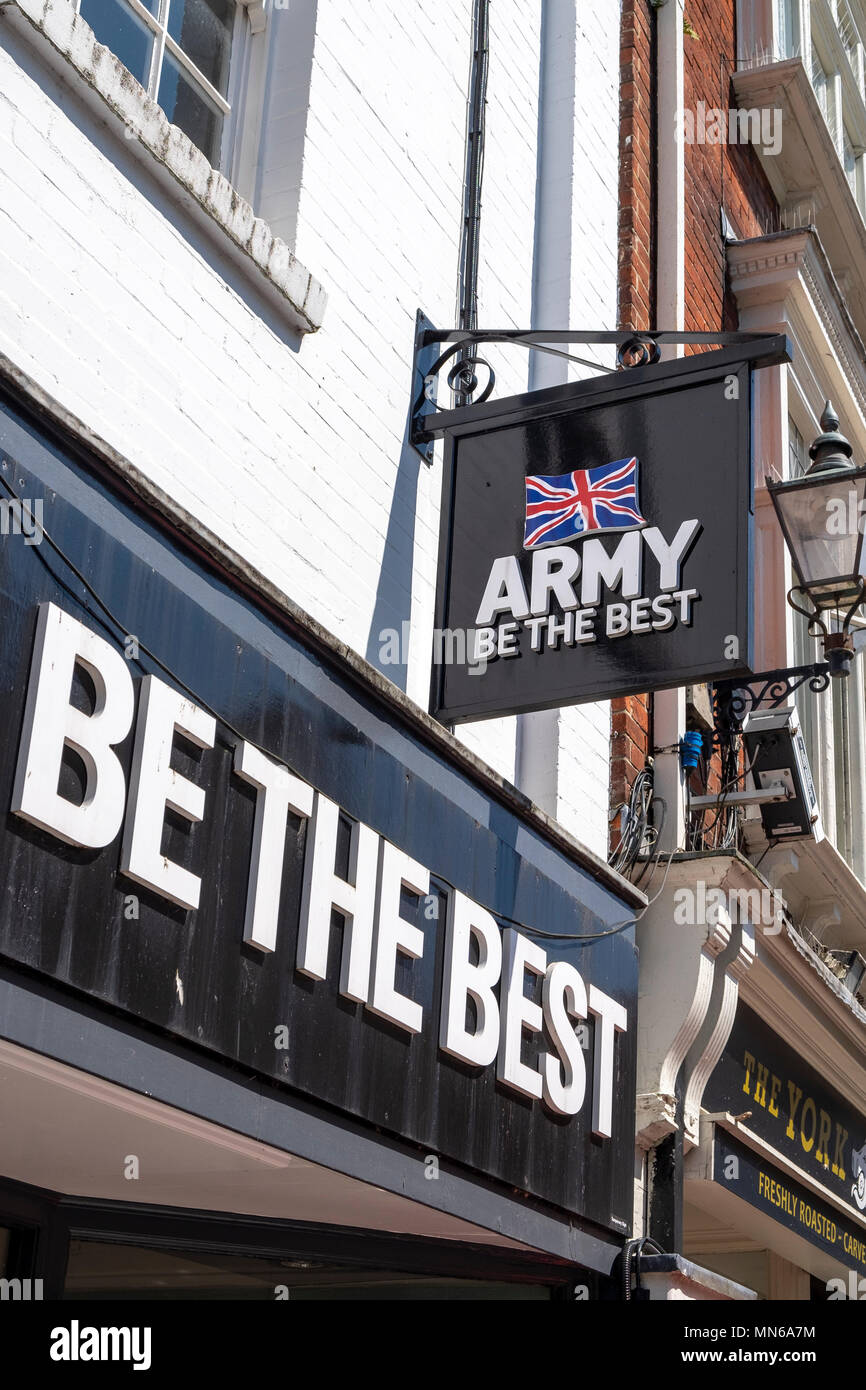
(149, 132)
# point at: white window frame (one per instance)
(834, 722)
(787, 20)
(852, 42)
(250, 20)
(827, 85)
(849, 160)
(242, 131)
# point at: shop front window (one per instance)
(99, 1270)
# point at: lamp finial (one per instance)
(829, 418)
(831, 449)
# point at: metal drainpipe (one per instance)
(665, 1169)
(467, 313)
(669, 706)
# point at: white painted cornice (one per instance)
(807, 172)
(823, 878)
(795, 999)
(789, 276)
(762, 268)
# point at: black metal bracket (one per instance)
(425, 382)
(837, 642)
(436, 347)
(734, 699)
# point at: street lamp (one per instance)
(821, 516)
(822, 519)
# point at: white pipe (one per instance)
(669, 707)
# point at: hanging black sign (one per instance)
(596, 538)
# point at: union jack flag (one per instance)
(567, 505)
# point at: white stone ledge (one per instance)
(147, 127)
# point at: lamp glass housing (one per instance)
(822, 519)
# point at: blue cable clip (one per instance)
(691, 748)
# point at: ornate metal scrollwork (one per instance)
(463, 379)
(734, 699)
(634, 348)
(817, 626)
(638, 351)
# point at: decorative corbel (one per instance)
(742, 962)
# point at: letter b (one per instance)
(51, 723)
(463, 981)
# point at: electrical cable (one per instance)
(637, 811)
(632, 1252)
(763, 856)
(657, 895)
(121, 627)
(473, 178)
(687, 811)
(727, 785)
(656, 830)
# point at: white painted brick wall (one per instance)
(564, 756)
(507, 242)
(293, 450)
(583, 800)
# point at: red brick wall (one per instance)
(637, 166)
(715, 176)
(631, 717)
(630, 743)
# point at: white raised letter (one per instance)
(395, 934)
(622, 569)
(564, 999)
(612, 1018)
(552, 573)
(519, 1013)
(670, 556)
(505, 592)
(154, 784)
(355, 901)
(277, 791)
(463, 981)
(51, 722)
